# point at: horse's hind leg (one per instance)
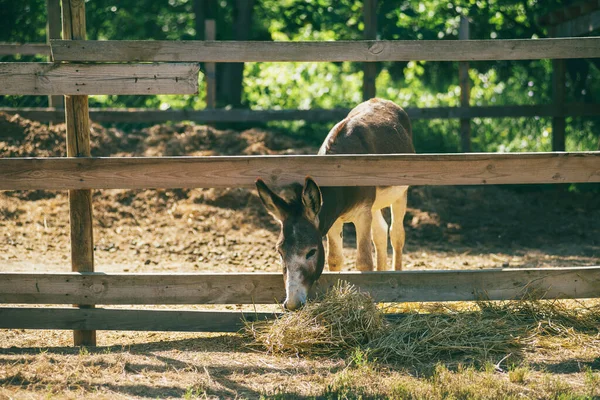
(379, 229)
(335, 256)
(397, 234)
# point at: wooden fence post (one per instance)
(53, 31)
(558, 99)
(370, 33)
(465, 89)
(78, 145)
(210, 33)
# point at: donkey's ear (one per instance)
(311, 198)
(274, 204)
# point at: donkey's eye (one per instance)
(311, 253)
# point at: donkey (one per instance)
(374, 127)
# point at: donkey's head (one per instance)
(300, 243)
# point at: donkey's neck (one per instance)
(337, 201)
(331, 209)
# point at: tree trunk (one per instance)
(199, 7)
(230, 75)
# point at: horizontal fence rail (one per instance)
(362, 51)
(141, 115)
(125, 320)
(331, 170)
(25, 49)
(268, 288)
(88, 79)
(132, 320)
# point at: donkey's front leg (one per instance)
(364, 241)
(379, 230)
(335, 256)
(397, 234)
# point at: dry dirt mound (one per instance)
(20, 137)
(200, 140)
(25, 138)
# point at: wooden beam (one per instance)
(558, 97)
(314, 115)
(268, 288)
(210, 33)
(370, 33)
(465, 89)
(78, 145)
(331, 170)
(88, 79)
(361, 51)
(127, 320)
(24, 49)
(54, 31)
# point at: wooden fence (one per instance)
(173, 70)
(368, 51)
(254, 288)
(136, 115)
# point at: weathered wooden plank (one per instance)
(267, 288)
(330, 170)
(126, 320)
(24, 49)
(88, 79)
(314, 115)
(363, 51)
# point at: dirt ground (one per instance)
(228, 230)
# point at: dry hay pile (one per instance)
(343, 319)
(346, 319)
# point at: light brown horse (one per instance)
(374, 127)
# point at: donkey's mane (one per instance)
(292, 195)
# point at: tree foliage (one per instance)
(310, 85)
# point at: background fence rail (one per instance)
(140, 115)
(360, 50)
